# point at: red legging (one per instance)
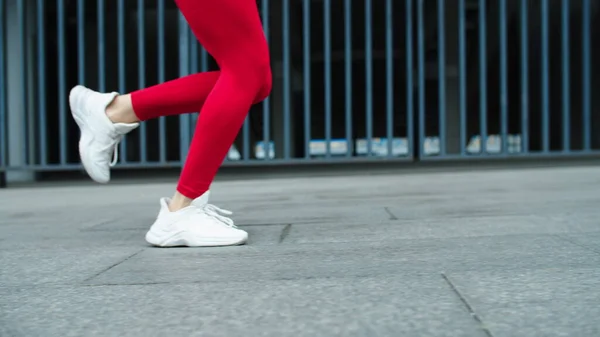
(231, 31)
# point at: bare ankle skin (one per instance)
(178, 202)
(120, 110)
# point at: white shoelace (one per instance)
(218, 214)
(115, 155)
(115, 151)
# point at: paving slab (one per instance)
(545, 302)
(590, 241)
(470, 253)
(398, 229)
(31, 266)
(336, 260)
(318, 307)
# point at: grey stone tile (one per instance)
(565, 319)
(505, 287)
(521, 246)
(588, 240)
(49, 238)
(392, 306)
(264, 235)
(536, 302)
(359, 259)
(317, 212)
(28, 267)
(430, 228)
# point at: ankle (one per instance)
(120, 110)
(178, 202)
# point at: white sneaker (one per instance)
(99, 136)
(198, 225)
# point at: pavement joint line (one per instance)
(285, 232)
(392, 215)
(134, 284)
(241, 282)
(113, 265)
(261, 225)
(467, 305)
(577, 243)
(94, 225)
(115, 230)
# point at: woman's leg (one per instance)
(231, 32)
(179, 96)
(233, 35)
(175, 97)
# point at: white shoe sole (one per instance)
(188, 240)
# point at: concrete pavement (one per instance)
(471, 253)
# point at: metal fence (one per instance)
(355, 80)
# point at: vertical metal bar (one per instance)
(122, 70)
(3, 131)
(586, 53)
(462, 78)
(246, 126)
(23, 49)
(204, 60)
(246, 144)
(41, 55)
(81, 41)
(101, 47)
(421, 66)
(566, 80)
(193, 67)
(184, 61)
(525, 76)
(162, 128)
(327, 61)
(246, 139)
(62, 104)
(545, 79)
(409, 77)
(266, 102)
(389, 65)
(348, 70)
(307, 75)
(194, 55)
(503, 77)
(141, 41)
(482, 76)
(442, 75)
(369, 74)
(286, 80)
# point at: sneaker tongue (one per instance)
(123, 128)
(201, 200)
